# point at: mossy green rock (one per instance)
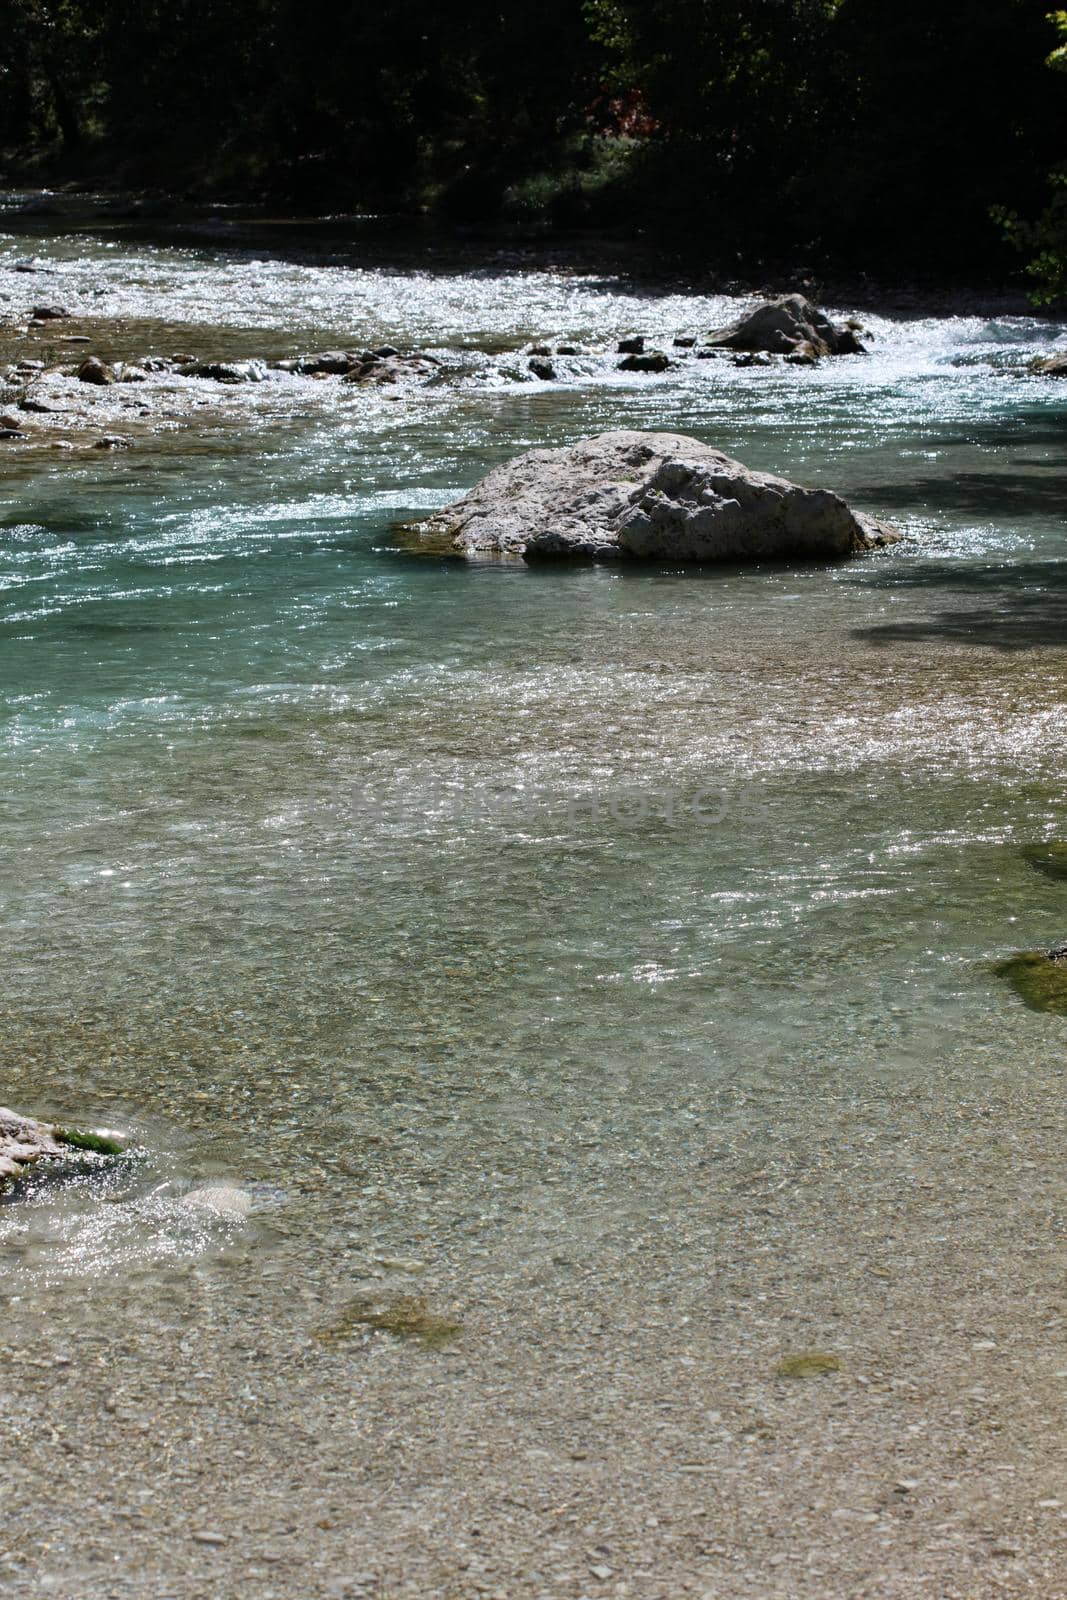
(26, 1146)
(100, 1144)
(406, 1318)
(1039, 978)
(1051, 858)
(808, 1364)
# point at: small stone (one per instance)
(631, 347)
(111, 441)
(541, 368)
(654, 361)
(206, 1536)
(93, 370)
(49, 313)
(804, 355)
(905, 1485)
(602, 1572)
(401, 1263)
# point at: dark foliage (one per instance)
(873, 133)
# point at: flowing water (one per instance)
(449, 909)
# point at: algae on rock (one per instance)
(406, 1318)
(1050, 858)
(808, 1364)
(1039, 977)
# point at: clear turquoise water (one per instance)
(266, 840)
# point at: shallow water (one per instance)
(437, 899)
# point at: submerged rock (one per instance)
(808, 1364)
(646, 361)
(647, 496)
(783, 327)
(1039, 977)
(406, 1318)
(221, 1199)
(24, 1143)
(1051, 858)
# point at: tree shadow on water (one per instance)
(1025, 488)
(1020, 606)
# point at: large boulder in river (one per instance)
(648, 496)
(24, 1143)
(785, 327)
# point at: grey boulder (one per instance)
(785, 326)
(648, 496)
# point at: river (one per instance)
(599, 960)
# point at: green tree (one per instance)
(1045, 241)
